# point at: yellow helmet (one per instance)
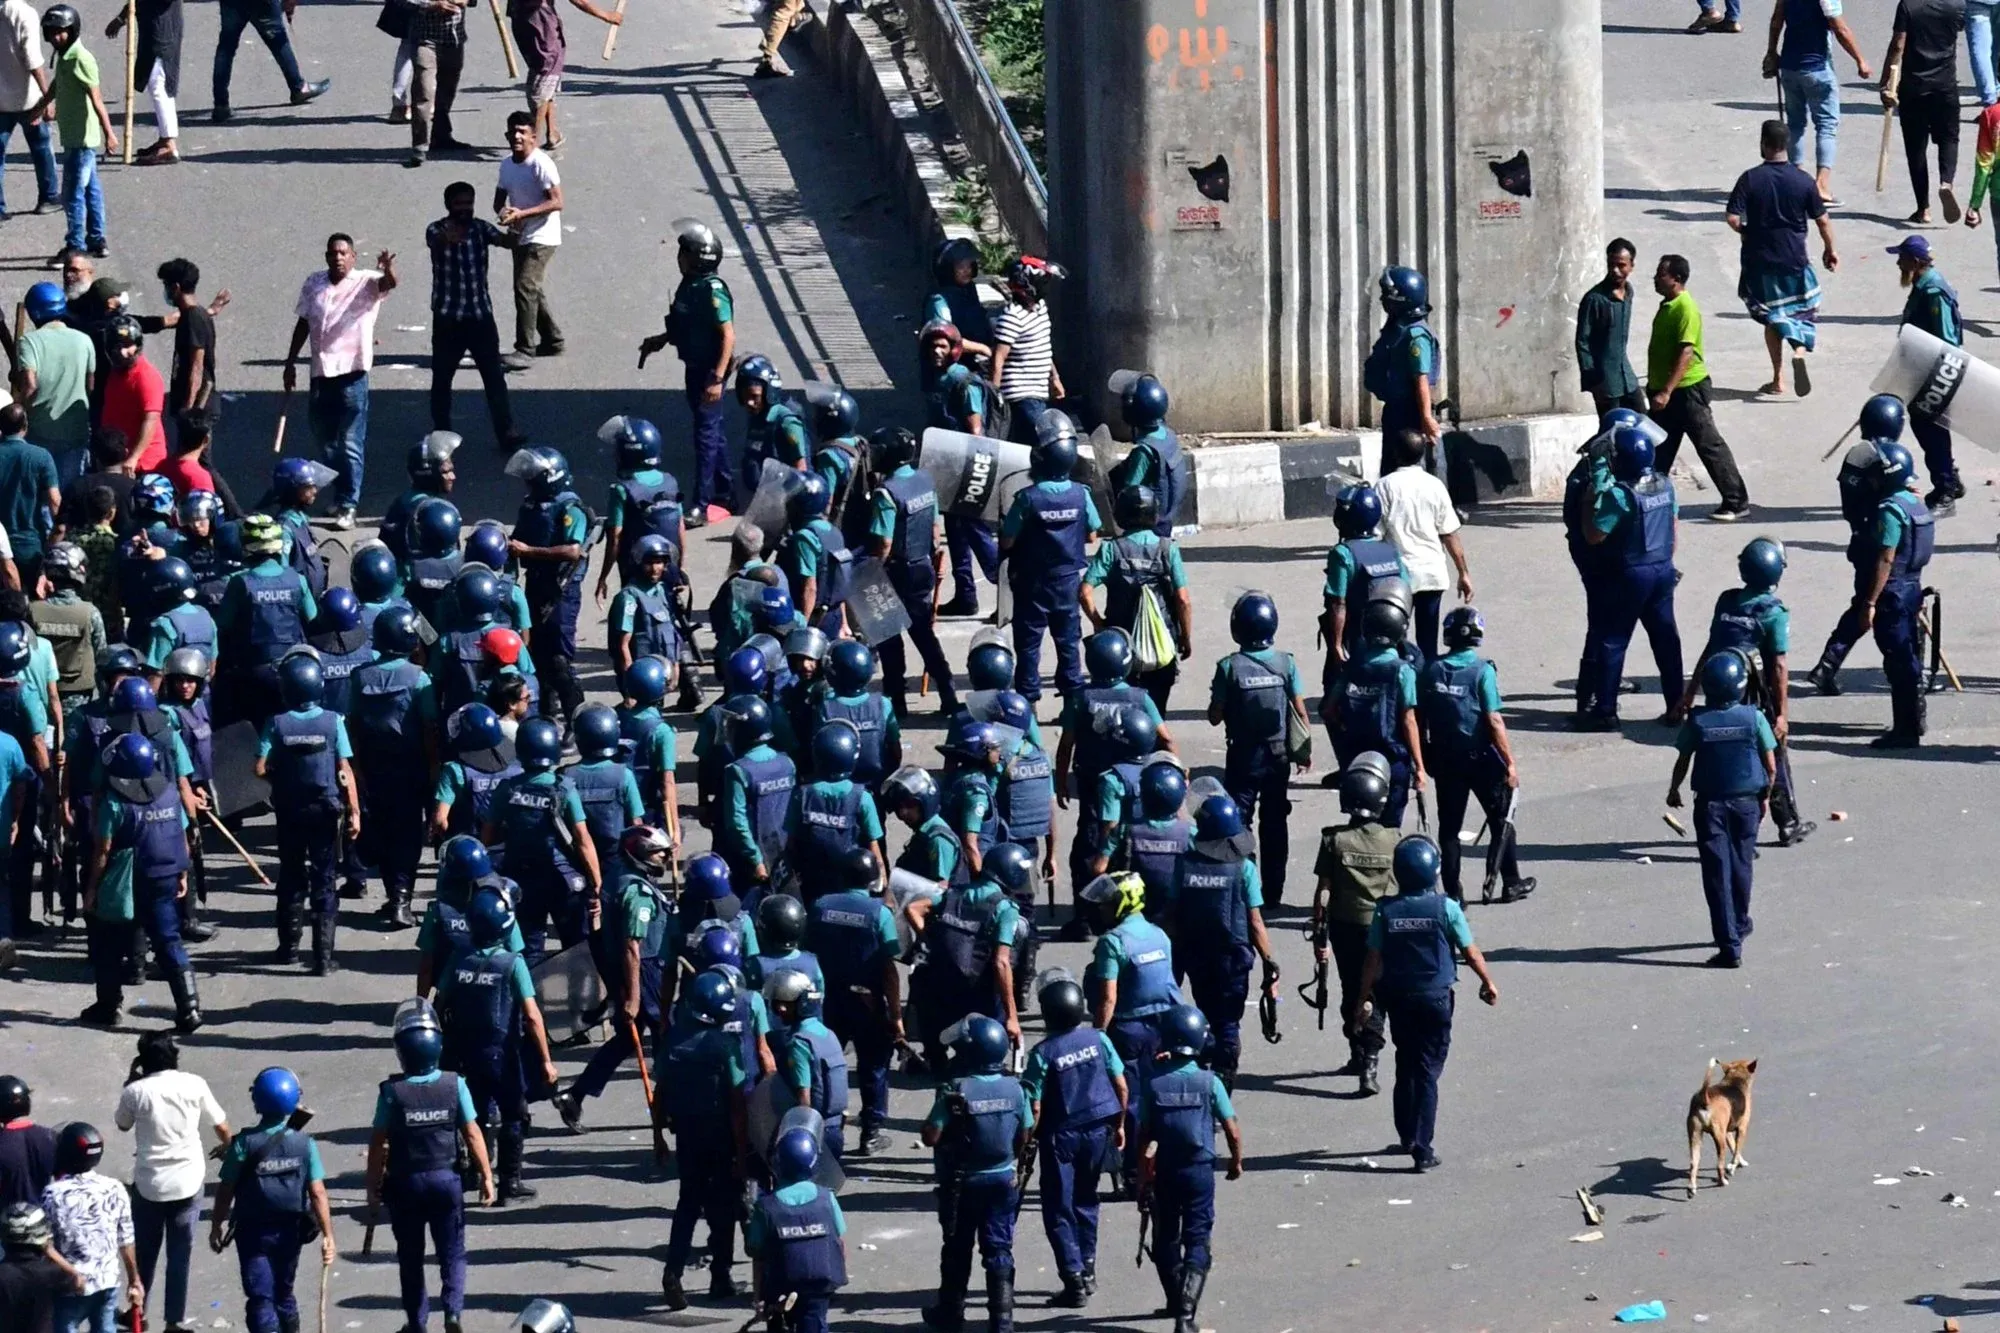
(262, 535)
(1118, 895)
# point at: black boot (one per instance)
(513, 1139)
(1170, 1284)
(1825, 677)
(1370, 1084)
(1193, 1279)
(671, 1291)
(325, 925)
(187, 1001)
(193, 929)
(1355, 1061)
(395, 910)
(1903, 726)
(1089, 1276)
(1074, 1295)
(288, 1323)
(135, 959)
(288, 934)
(948, 1313)
(1000, 1301)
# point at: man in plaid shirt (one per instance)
(462, 310)
(437, 32)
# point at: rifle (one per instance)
(1503, 834)
(1423, 812)
(1024, 1175)
(1267, 1003)
(1314, 992)
(1144, 1252)
(771, 1312)
(52, 853)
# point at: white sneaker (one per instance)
(343, 517)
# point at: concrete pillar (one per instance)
(1228, 177)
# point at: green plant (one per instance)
(1013, 41)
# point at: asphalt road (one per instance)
(1867, 995)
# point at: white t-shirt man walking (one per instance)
(529, 201)
(1420, 521)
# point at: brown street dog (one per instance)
(1720, 1110)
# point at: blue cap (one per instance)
(1912, 247)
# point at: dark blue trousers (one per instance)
(913, 584)
(393, 810)
(613, 1053)
(1183, 1220)
(711, 483)
(1047, 602)
(267, 1257)
(1219, 976)
(1935, 441)
(1634, 596)
(550, 897)
(155, 901)
(970, 539)
(1137, 1041)
(986, 1214)
(1420, 1030)
(708, 1188)
(1589, 665)
(1726, 832)
(307, 850)
(1896, 636)
(1262, 778)
(430, 1202)
(496, 1082)
(1072, 1160)
(1458, 784)
(1848, 631)
(864, 1022)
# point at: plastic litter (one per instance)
(1288, 1226)
(1650, 1312)
(1586, 1237)
(1887, 1180)
(1956, 1201)
(1919, 1171)
(1398, 1203)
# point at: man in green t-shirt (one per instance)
(1677, 389)
(85, 126)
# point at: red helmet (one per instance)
(938, 328)
(502, 645)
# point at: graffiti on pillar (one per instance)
(1194, 55)
(1503, 185)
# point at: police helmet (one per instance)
(1405, 293)
(1761, 564)
(1132, 731)
(1136, 508)
(781, 922)
(1110, 898)
(1616, 417)
(701, 247)
(538, 744)
(850, 665)
(130, 757)
(1053, 455)
(807, 643)
(708, 876)
(1012, 709)
(1631, 453)
(836, 416)
(547, 1316)
(134, 694)
(910, 785)
(971, 740)
(543, 470)
(373, 573)
(187, 662)
(153, 495)
(429, 456)
(113, 660)
(711, 997)
(788, 992)
(794, 1157)
(1463, 627)
(857, 867)
(395, 632)
(891, 447)
(274, 1092)
(1357, 510)
(1183, 1032)
(1893, 468)
(173, 583)
(66, 565)
(978, 1043)
(646, 681)
(806, 500)
(45, 300)
(1162, 790)
(1107, 656)
(418, 1038)
(24, 1226)
(742, 673)
(1218, 819)
(653, 547)
(16, 647)
(197, 506)
(1253, 621)
(756, 370)
(1416, 864)
(952, 252)
(1011, 866)
(489, 918)
(1883, 417)
(597, 732)
(1061, 1000)
(15, 1098)
(463, 860)
(477, 592)
(79, 1147)
(774, 609)
(1724, 678)
(1364, 785)
(637, 441)
(301, 683)
(1144, 403)
(1384, 623)
(645, 847)
(434, 529)
(836, 749)
(749, 724)
(990, 666)
(773, 653)
(291, 478)
(718, 946)
(474, 727)
(260, 535)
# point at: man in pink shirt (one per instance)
(135, 394)
(337, 309)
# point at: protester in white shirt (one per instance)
(163, 1107)
(24, 77)
(529, 201)
(1421, 522)
(91, 1215)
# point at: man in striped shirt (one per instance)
(1024, 360)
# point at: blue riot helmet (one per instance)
(474, 727)
(477, 591)
(340, 612)
(1406, 296)
(794, 1157)
(743, 672)
(538, 744)
(419, 1038)
(133, 695)
(857, 867)
(891, 447)
(973, 741)
(173, 583)
(1631, 453)
(990, 665)
(1012, 709)
(1132, 732)
(1061, 1001)
(486, 545)
(1162, 790)
(1724, 678)
(291, 478)
(1416, 864)
(1619, 417)
(749, 725)
(774, 609)
(462, 861)
(646, 681)
(1052, 457)
(596, 733)
(489, 918)
(756, 372)
(113, 660)
(16, 648)
(850, 665)
(806, 500)
(1761, 564)
(1011, 866)
(1893, 468)
(978, 1044)
(429, 459)
(301, 683)
(274, 1093)
(1364, 786)
(718, 947)
(1144, 403)
(711, 998)
(1357, 510)
(45, 301)
(836, 749)
(1183, 1032)
(1463, 627)
(395, 632)
(543, 470)
(1253, 621)
(912, 786)
(652, 547)
(1136, 508)
(434, 529)
(1883, 417)
(708, 876)
(130, 757)
(373, 573)
(836, 416)
(1217, 820)
(1107, 656)
(637, 441)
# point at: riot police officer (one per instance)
(551, 542)
(1157, 461)
(1046, 538)
(1354, 564)
(1374, 705)
(1130, 981)
(1024, 793)
(272, 1187)
(850, 666)
(1077, 1096)
(1468, 751)
(1881, 422)
(1411, 967)
(605, 785)
(183, 694)
(392, 723)
(1114, 801)
(463, 868)
(1088, 718)
(795, 1238)
(139, 812)
(958, 399)
(1152, 847)
(1355, 859)
(812, 1066)
(1259, 700)
(641, 620)
(1734, 756)
(853, 934)
(701, 327)
(703, 1082)
(421, 1116)
(832, 812)
(295, 484)
(1128, 568)
(978, 1128)
(458, 663)
(481, 759)
(1178, 1112)
(648, 744)
(537, 817)
(493, 1027)
(486, 546)
(645, 500)
(376, 579)
(1905, 536)
(971, 764)
(431, 474)
(757, 791)
(969, 944)
(264, 613)
(341, 641)
(840, 458)
(178, 618)
(911, 794)
(1638, 519)
(708, 901)
(775, 429)
(1403, 366)
(210, 545)
(1217, 913)
(434, 558)
(814, 556)
(305, 754)
(781, 930)
(905, 532)
(1588, 478)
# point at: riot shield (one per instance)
(875, 610)
(1945, 383)
(1094, 467)
(975, 476)
(237, 787)
(1003, 593)
(906, 887)
(827, 1175)
(1202, 788)
(568, 988)
(767, 507)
